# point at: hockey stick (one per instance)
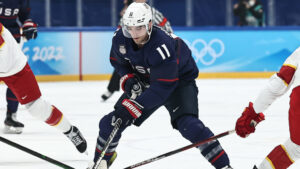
(181, 149)
(109, 140)
(34, 153)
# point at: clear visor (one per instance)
(134, 31)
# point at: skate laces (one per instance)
(75, 136)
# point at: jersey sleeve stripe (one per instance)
(9, 17)
(168, 80)
(292, 66)
(112, 58)
(286, 73)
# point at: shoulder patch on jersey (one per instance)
(122, 49)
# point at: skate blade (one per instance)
(12, 130)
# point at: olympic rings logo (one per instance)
(207, 53)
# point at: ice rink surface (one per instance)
(221, 101)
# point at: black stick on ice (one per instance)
(181, 149)
(34, 153)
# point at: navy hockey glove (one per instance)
(29, 29)
(131, 85)
(128, 112)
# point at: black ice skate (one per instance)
(77, 139)
(106, 95)
(12, 125)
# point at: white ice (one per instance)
(221, 101)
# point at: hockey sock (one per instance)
(278, 158)
(57, 120)
(12, 102)
(106, 128)
(194, 130)
(55, 117)
(48, 113)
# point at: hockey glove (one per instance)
(128, 112)
(245, 125)
(29, 29)
(131, 85)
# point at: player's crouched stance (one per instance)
(18, 76)
(142, 55)
(284, 155)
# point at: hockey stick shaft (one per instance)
(34, 153)
(181, 149)
(109, 140)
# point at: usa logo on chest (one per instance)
(8, 11)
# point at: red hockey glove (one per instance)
(29, 29)
(130, 85)
(245, 125)
(129, 111)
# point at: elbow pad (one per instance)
(274, 89)
(277, 86)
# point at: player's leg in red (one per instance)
(26, 89)
(283, 156)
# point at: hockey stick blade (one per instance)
(34, 153)
(109, 140)
(181, 149)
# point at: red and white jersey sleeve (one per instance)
(279, 83)
(12, 59)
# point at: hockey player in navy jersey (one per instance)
(159, 20)
(162, 66)
(14, 15)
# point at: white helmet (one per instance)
(137, 14)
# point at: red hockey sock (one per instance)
(55, 117)
(279, 158)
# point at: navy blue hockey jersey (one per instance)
(161, 62)
(10, 11)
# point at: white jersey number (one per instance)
(162, 53)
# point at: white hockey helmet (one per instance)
(136, 15)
